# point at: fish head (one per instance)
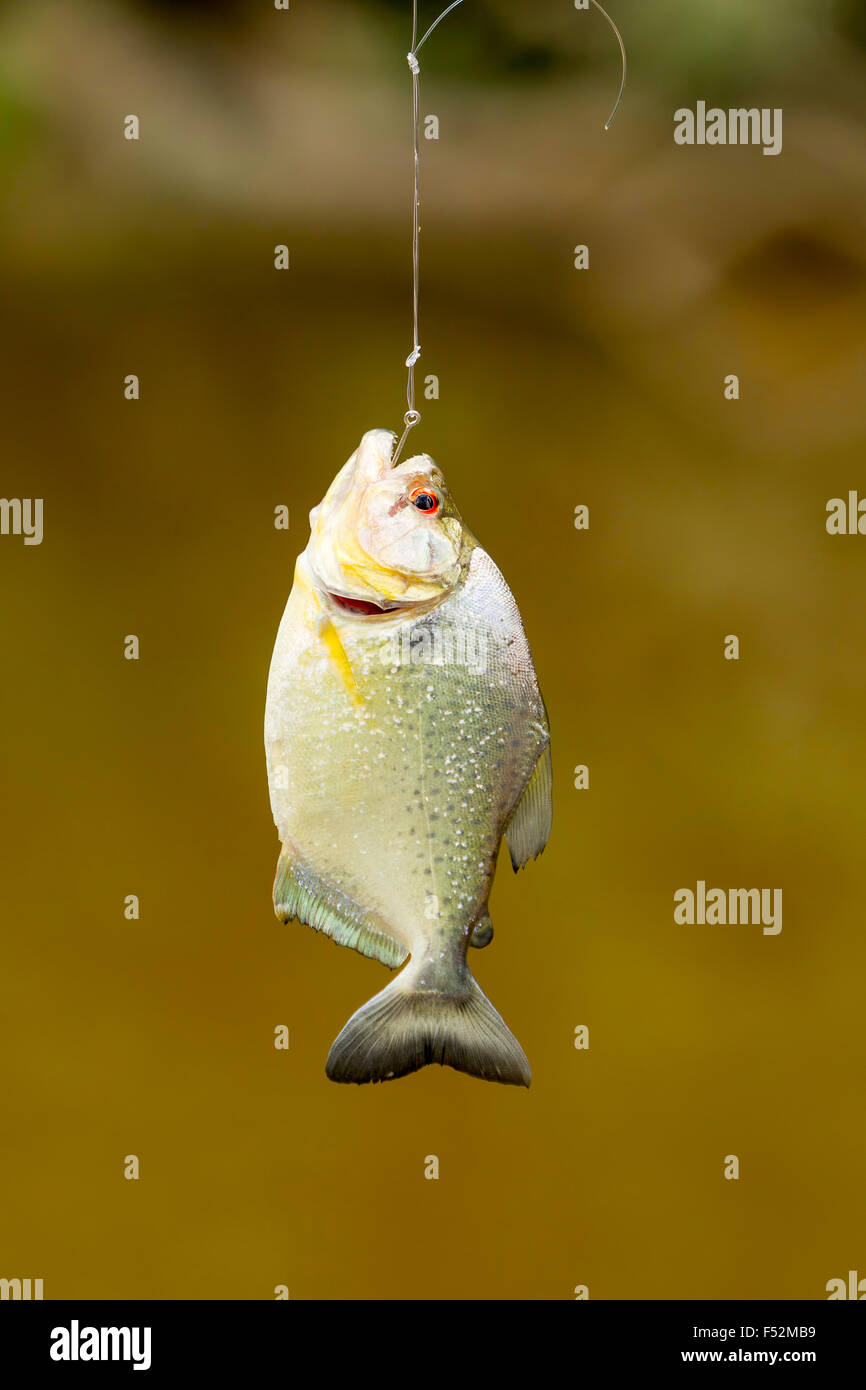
(384, 537)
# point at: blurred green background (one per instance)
(558, 387)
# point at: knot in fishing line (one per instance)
(413, 356)
(413, 64)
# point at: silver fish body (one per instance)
(402, 741)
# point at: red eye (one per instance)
(425, 499)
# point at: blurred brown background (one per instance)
(557, 388)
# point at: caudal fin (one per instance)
(403, 1029)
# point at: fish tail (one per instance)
(404, 1028)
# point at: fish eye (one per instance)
(425, 499)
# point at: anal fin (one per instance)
(528, 830)
(300, 894)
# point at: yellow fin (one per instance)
(331, 639)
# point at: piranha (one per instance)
(405, 734)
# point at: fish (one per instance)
(405, 736)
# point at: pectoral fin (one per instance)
(298, 893)
(528, 830)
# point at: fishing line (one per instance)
(609, 121)
(412, 416)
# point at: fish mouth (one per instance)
(361, 607)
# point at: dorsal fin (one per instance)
(528, 830)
